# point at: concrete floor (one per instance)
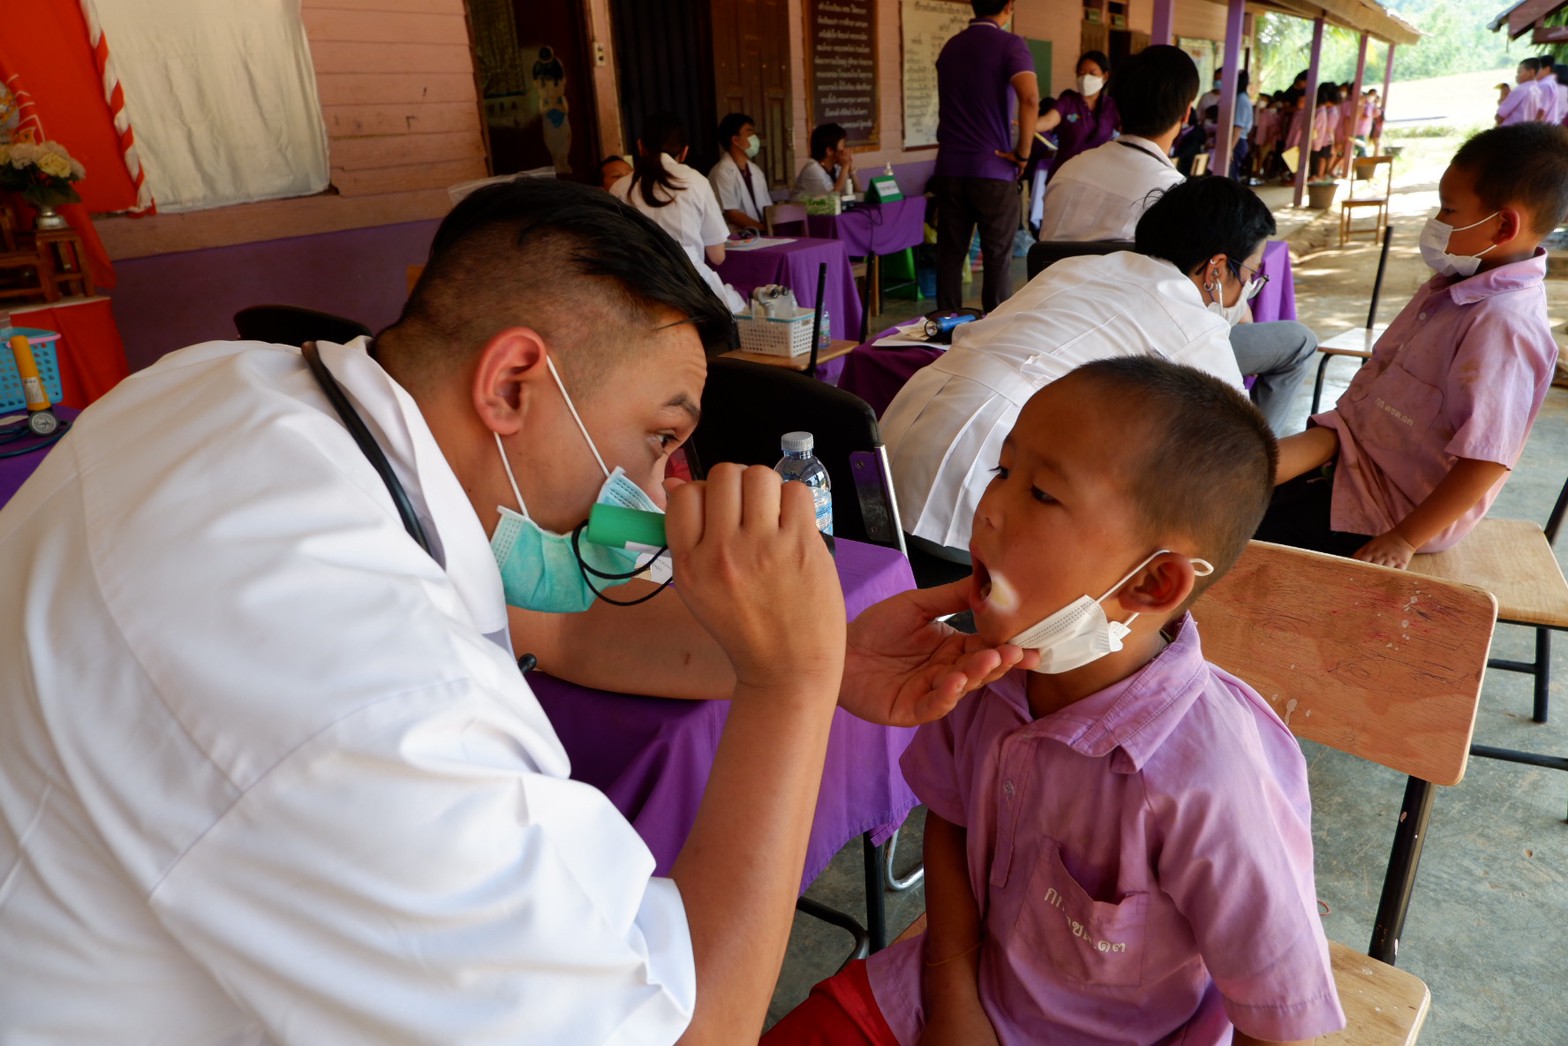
(1492, 895)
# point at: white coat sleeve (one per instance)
(403, 877)
(714, 229)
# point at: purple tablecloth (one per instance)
(884, 228)
(1277, 299)
(795, 266)
(652, 756)
(875, 373)
(14, 471)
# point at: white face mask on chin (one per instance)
(1080, 633)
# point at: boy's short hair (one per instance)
(824, 137)
(1153, 90)
(1523, 164)
(1532, 64)
(1206, 471)
(987, 8)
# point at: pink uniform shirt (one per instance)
(1521, 104)
(1325, 124)
(1460, 373)
(1143, 860)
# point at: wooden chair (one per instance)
(26, 272)
(776, 214)
(1358, 341)
(1363, 180)
(1381, 664)
(1513, 560)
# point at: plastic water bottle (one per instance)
(799, 463)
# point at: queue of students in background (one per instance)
(1539, 94)
(1343, 127)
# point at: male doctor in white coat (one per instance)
(268, 770)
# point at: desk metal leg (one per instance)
(894, 883)
(876, 903)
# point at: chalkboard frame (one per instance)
(810, 10)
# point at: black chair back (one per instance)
(746, 407)
(1047, 252)
(293, 325)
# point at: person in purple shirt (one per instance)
(1422, 441)
(1118, 847)
(1522, 104)
(1085, 117)
(984, 76)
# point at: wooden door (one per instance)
(662, 58)
(751, 75)
(535, 76)
(1093, 36)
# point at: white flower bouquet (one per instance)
(41, 171)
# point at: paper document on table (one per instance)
(760, 241)
(910, 334)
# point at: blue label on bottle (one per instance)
(823, 499)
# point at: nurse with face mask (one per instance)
(1084, 116)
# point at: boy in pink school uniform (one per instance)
(1419, 446)
(1118, 847)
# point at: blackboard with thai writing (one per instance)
(841, 67)
(927, 25)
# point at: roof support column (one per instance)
(1164, 22)
(1304, 149)
(1388, 77)
(1235, 15)
(1355, 99)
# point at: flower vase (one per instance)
(49, 219)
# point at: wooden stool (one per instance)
(68, 265)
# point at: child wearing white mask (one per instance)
(1422, 441)
(1118, 843)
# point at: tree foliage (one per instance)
(1456, 40)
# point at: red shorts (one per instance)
(840, 1011)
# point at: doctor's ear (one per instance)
(510, 365)
(1160, 587)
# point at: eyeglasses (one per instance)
(1253, 286)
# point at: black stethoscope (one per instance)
(378, 460)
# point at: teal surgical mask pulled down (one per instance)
(558, 573)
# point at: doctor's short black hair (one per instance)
(1523, 165)
(1204, 460)
(570, 261)
(1153, 90)
(1194, 220)
(730, 126)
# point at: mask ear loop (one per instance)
(507, 465)
(572, 407)
(577, 552)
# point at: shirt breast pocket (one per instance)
(1399, 408)
(1089, 942)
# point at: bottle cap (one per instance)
(797, 443)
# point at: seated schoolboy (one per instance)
(1118, 846)
(1421, 442)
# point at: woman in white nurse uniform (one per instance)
(679, 200)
